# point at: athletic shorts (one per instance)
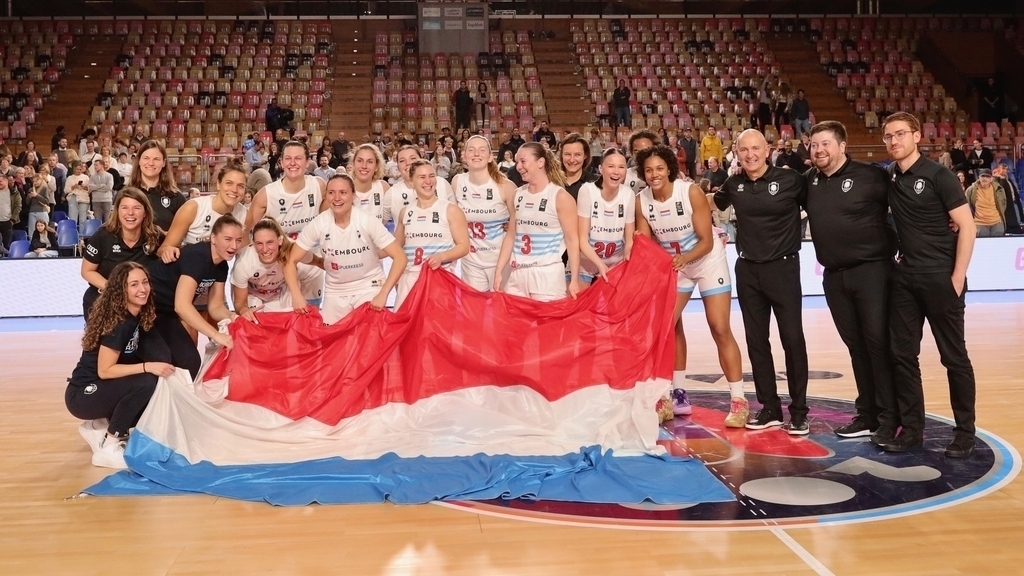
(337, 306)
(588, 272)
(481, 279)
(710, 275)
(540, 283)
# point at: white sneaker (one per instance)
(110, 454)
(93, 432)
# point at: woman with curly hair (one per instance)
(129, 234)
(122, 358)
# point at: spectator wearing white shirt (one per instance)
(324, 170)
(124, 166)
(101, 186)
(89, 156)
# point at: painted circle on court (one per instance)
(783, 481)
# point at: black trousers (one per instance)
(858, 298)
(183, 351)
(6, 233)
(764, 288)
(121, 400)
(914, 298)
(462, 118)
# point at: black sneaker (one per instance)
(961, 446)
(855, 429)
(798, 427)
(766, 418)
(907, 440)
(884, 435)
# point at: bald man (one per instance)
(768, 201)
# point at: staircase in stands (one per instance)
(562, 85)
(799, 62)
(348, 109)
(74, 96)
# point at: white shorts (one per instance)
(311, 283)
(337, 306)
(481, 279)
(405, 284)
(710, 275)
(587, 269)
(540, 283)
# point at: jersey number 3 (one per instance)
(527, 247)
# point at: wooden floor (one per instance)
(44, 462)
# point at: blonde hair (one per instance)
(552, 167)
(492, 167)
(378, 173)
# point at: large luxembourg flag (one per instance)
(460, 395)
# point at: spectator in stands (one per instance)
(44, 241)
(963, 180)
(342, 149)
(10, 210)
(482, 99)
(90, 155)
(29, 156)
(76, 189)
(325, 144)
(59, 172)
(715, 174)
(274, 160)
(1013, 216)
(463, 101)
(442, 162)
(689, 144)
(123, 167)
(944, 158)
(247, 197)
(507, 162)
(257, 181)
(62, 151)
(711, 147)
(40, 201)
(324, 170)
(804, 149)
(597, 146)
(515, 141)
(620, 102)
(782, 101)
(991, 102)
(101, 187)
(789, 159)
(272, 116)
(979, 158)
(764, 105)
(194, 192)
(110, 162)
(57, 137)
(987, 200)
(152, 174)
(723, 219)
(5, 167)
(256, 157)
(139, 138)
(800, 114)
(544, 134)
(89, 136)
(680, 152)
(957, 156)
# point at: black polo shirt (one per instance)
(921, 199)
(849, 215)
(194, 261)
(767, 212)
(106, 251)
(165, 206)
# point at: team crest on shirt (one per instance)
(815, 182)
(919, 186)
(133, 343)
(679, 208)
(543, 205)
(490, 194)
(773, 188)
(116, 248)
(376, 199)
(165, 202)
(622, 211)
(847, 184)
(312, 201)
(435, 218)
(739, 188)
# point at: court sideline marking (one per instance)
(802, 552)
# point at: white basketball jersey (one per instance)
(427, 233)
(607, 220)
(671, 221)
(487, 215)
(294, 211)
(201, 226)
(350, 253)
(402, 195)
(264, 281)
(375, 201)
(540, 240)
(634, 181)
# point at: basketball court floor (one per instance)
(813, 505)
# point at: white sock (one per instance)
(736, 389)
(678, 380)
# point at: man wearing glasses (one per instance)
(929, 283)
(768, 201)
(848, 205)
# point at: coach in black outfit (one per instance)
(929, 283)
(848, 206)
(768, 201)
